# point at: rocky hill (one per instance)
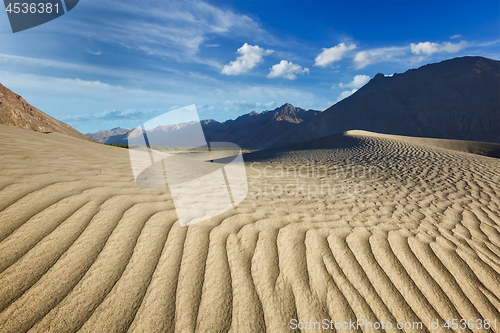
(16, 112)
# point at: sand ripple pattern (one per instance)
(82, 249)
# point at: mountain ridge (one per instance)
(15, 111)
(254, 130)
(457, 99)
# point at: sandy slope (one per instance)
(82, 248)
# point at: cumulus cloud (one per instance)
(357, 82)
(455, 36)
(346, 94)
(250, 56)
(362, 59)
(328, 56)
(429, 48)
(287, 70)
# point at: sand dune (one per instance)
(414, 236)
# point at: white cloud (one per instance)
(362, 59)
(455, 36)
(287, 70)
(13, 60)
(247, 105)
(173, 29)
(429, 48)
(328, 56)
(346, 94)
(153, 79)
(367, 57)
(357, 82)
(487, 43)
(98, 53)
(250, 56)
(109, 114)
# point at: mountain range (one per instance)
(455, 99)
(252, 131)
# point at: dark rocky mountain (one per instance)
(118, 134)
(454, 99)
(258, 130)
(16, 112)
(251, 131)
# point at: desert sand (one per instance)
(82, 248)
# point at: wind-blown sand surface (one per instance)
(82, 248)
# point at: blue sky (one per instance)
(111, 63)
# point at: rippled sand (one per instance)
(82, 248)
